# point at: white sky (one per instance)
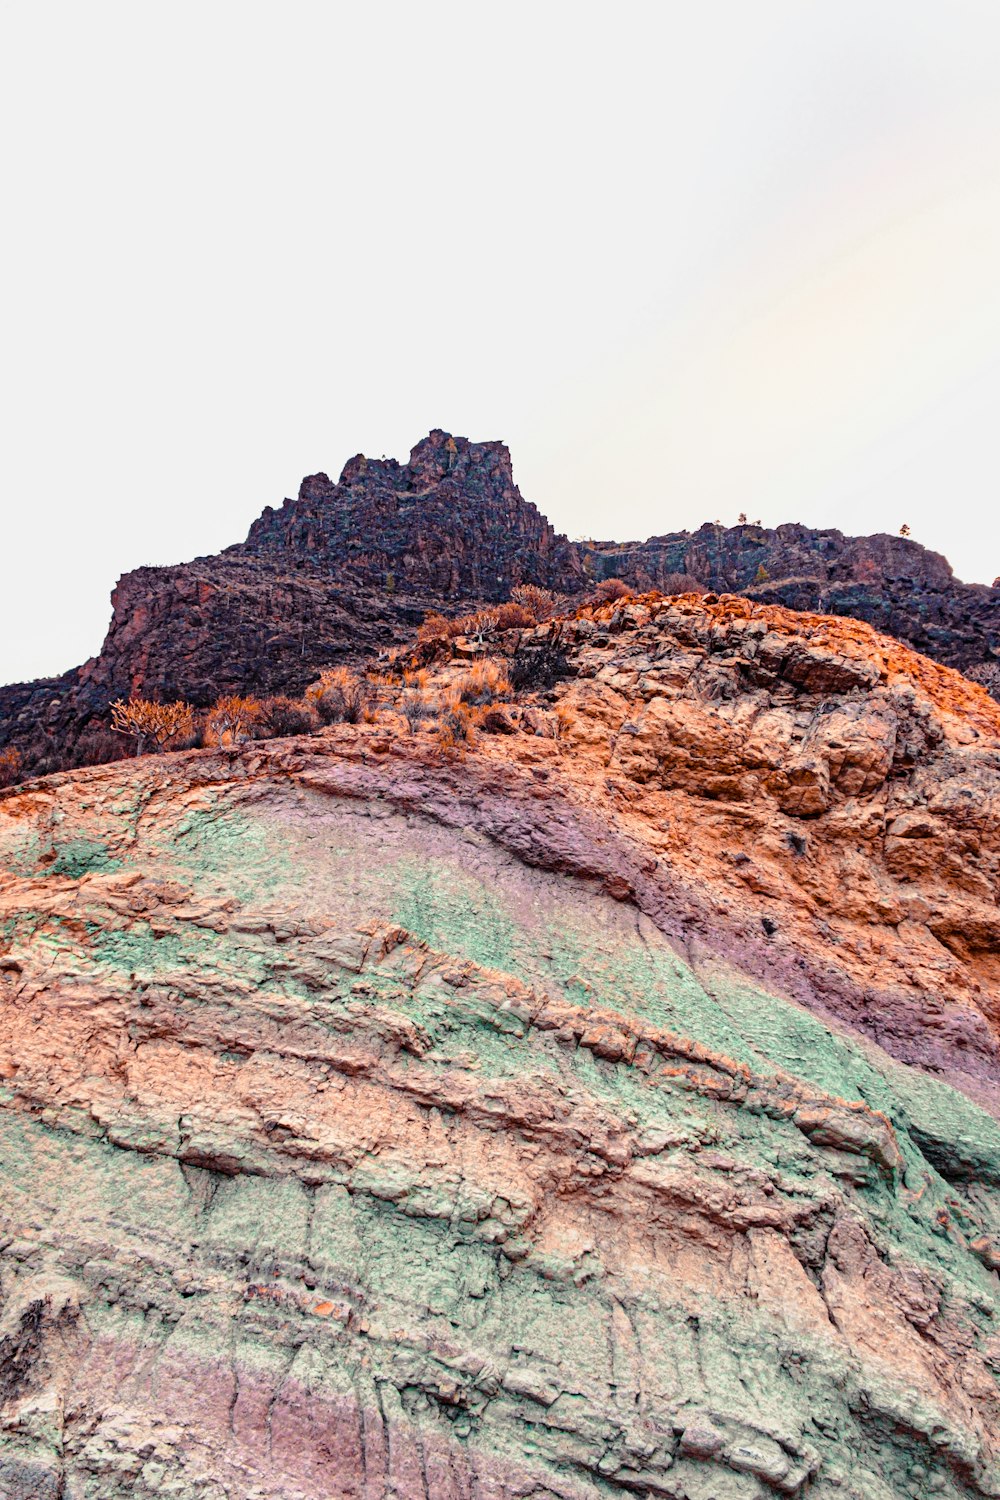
(687, 259)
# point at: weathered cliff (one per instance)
(891, 582)
(348, 570)
(609, 1110)
(449, 524)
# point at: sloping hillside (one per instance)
(607, 1109)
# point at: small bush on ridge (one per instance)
(282, 716)
(144, 722)
(232, 717)
(10, 766)
(339, 697)
(610, 590)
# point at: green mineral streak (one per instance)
(614, 968)
(144, 955)
(225, 848)
(77, 857)
(455, 914)
(138, 950)
(436, 1306)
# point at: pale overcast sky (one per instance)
(686, 259)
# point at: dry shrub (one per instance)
(11, 766)
(418, 680)
(437, 627)
(682, 583)
(610, 590)
(280, 716)
(158, 723)
(538, 667)
(481, 623)
(97, 746)
(414, 708)
(513, 616)
(232, 717)
(478, 626)
(339, 697)
(485, 682)
(456, 729)
(539, 603)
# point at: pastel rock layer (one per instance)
(608, 1111)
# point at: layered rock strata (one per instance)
(608, 1110)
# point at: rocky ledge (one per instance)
(607, 1110)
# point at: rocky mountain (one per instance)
(609, 1110)
(890, 581)
(348, 570)
(450, 524)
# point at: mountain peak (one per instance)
(349, 568)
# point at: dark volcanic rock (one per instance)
(347, 570)
(451, 523)
(895, 584)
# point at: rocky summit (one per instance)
(605, 1105)
(349, 569)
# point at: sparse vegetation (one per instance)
(339, 697)
(96, 746)
(11, 766)
(610, 590)
(232, 719)
(485, 682)
(761, 575)
(147, 723)
(537, 602)
(281, 716)
(414, 708)
(456, 729)
(514, 615)
(904, 530)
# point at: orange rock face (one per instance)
(609, 1108)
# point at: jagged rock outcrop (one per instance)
(891, 582)
(609, 1110)
(341, 574)
(348, 570)
(449, 524)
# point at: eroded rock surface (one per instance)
(610, 1110)
(349, 569)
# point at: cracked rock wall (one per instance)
(359, 1137)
